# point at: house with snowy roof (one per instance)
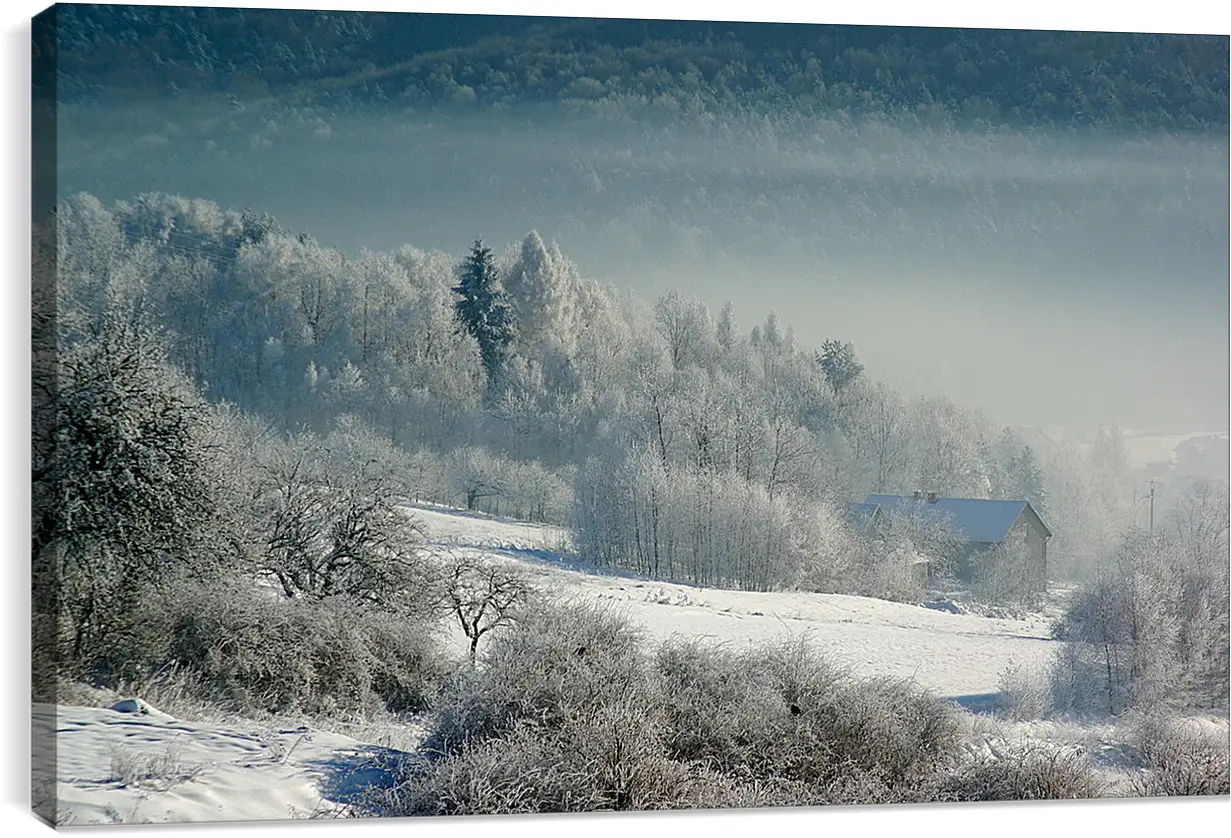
(978, 525)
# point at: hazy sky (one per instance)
(1055, 281)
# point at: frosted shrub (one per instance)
(562, 659)
(569, 712)
(786, 713)
(1178, 759)
(246, 651)
(1022, 772)
(1025, 693)
(561, 715)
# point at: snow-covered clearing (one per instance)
(952, 654)
(147, 766)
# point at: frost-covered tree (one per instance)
(1025, 477)
(945, 449)
(880, 428)
(474, 474)
(726, 333)
(1201, 517)
(377, 299)
(482, 306)
(90, 251)
(331, 526)
(606, 336)
(685, 327)
(840, 365)
(541, 296)
(768, 336)
(1149, 631)
(123, 488)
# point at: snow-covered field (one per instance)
(117, 766)
(1145, 450)
(146, 766)
(951, 654)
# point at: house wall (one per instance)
(1036, 552)
(1025, 538)
(1030, 542)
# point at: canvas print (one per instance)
(446, 414)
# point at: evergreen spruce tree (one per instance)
(1027, 478)
(482, 306)
(838, 362)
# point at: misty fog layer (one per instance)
(1054, 278)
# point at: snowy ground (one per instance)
(957, 655)
(149, 767)
(1147, 449)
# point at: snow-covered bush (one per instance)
(561, 715)
(1150, 631)
(571, 711)
(1025, 692)
(1022, 772)
(578, 767)
(247, 651)
(1180, 759)
(786, 713)
(899, 575)
(551, 665)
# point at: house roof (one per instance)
(975, 519)
(861, 514)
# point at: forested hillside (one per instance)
(669, 69)
(505, 380)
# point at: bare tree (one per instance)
(684, 325)
(475, 473)
(1200, 518)
(329, 530)
(483, 596)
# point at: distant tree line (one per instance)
(671, 69)
(507, 382)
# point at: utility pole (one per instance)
(1151, 506)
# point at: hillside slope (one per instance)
(953, 654)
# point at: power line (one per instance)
(197, 245)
